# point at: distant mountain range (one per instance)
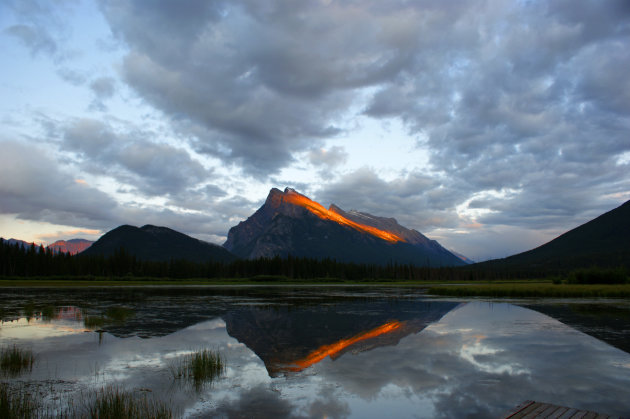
(603, 242)
(158, 244)
(72, 246)
(21, 243)
(290, 223)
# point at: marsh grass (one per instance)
(16, 403)
(19, 402)
(534, 290)
(15, 360)
(200, 367)
(112, 402)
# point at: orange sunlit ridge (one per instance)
(321, 212)
(334, 348)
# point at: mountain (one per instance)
(290, 223)
(604, 242)
(72, 246)
(21, 243)
(465, 259)
(157, 244)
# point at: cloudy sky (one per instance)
(491, 126)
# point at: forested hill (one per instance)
(602, 242)
(154, 243)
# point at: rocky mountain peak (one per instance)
(292, 223)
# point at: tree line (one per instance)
(33, 261)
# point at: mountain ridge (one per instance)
(603, 241)
(289, 223)
(72, 246)
(154, 243)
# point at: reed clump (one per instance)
(15, 360)
(200, 367)
(111, 402)
(16, 403)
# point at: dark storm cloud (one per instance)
(534, 104)
(522, 106)
(132, 157)
(416, 201)
(527, 97)
(512, 221)
(33, 187)
(262, 80)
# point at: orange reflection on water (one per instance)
(321, 212)
(334, 348)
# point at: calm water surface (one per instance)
(323, 352)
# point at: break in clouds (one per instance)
(522, 108)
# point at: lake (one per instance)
(335, 352)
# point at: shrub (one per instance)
(598, 276)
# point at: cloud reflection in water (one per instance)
(458, 360)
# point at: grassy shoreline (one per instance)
(533, 290)
(266, 281)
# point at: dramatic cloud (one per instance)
(33, 187)
(535, 105)
(518, 111)
(242, 74)
(507, 95)
(153, 168)
(417, 201)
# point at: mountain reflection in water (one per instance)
(344, 352)
(292, 339)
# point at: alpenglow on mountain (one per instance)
(290, 223)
